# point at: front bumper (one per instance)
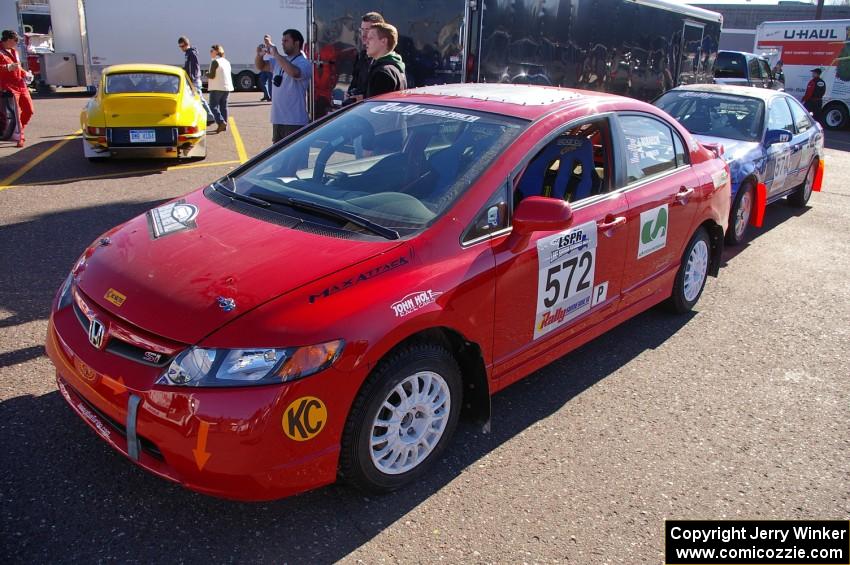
(229, 443)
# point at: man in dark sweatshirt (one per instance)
(360, 73)
(386, 74)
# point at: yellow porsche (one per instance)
(144, 111)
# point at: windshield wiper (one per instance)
(236, 196)
(332, 212)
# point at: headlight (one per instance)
(65, 295)
(245, 367)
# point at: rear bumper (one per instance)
(224, 443)
(188, 146)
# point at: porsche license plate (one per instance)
(142, 136)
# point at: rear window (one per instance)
(119, 83)
(730, 65)
(715, 114)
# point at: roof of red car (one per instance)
(519, 100)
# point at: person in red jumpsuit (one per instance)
(12, 79)
(815, 91)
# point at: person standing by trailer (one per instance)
(266, 76)
(815, 91)
(292, 73)
(386, 73)
(13, 79)
(220, 86)
(193, 68)
(360, 73)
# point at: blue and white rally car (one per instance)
(772, 144)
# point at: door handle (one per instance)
(612, 224)
(683, 194)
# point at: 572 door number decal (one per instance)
(566, 267)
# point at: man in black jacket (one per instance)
(193, 68)
(360, 74)
(386, 74)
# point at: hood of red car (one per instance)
(177, 270)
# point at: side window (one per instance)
(649, 147)
(801, 116)
(779, 116)
(765, 68)
(754, 69)
(573, 166)
(682, 156)
(492, 218)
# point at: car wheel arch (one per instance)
(467, 354)
(716, 238)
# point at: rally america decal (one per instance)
(653, 231)
(172, 218)
(567, 264)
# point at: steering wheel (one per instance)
(355, 126)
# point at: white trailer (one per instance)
(99, 33)
(805, 45)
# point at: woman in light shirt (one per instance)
(220, 85)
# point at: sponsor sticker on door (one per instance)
(566, 265)
(653, 231)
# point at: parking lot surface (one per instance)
(737, 411)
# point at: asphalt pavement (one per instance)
(739, 410)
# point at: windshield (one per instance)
(397, 165)
(719, 115)
(120, 83)
(730, 65)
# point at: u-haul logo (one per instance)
(810, 34)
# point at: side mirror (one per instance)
(777, 136)
(539, 213)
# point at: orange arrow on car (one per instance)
(117, 385)
(201, 453)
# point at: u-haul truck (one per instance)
(805, 45)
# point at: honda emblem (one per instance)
(96, 332)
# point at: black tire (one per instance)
(739, 217)
(245, 81)
(800, 197)
(835, 116)
(686, 292)
(356, 463)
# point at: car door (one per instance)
(802, 146)
(661, 190)
(755, 73)
(779, 155)
(553, 286)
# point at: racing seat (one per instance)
(576, 176)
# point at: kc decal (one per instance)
(653, 231)
(304, 418)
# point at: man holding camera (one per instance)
(291, 73)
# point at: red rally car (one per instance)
(329, 308)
